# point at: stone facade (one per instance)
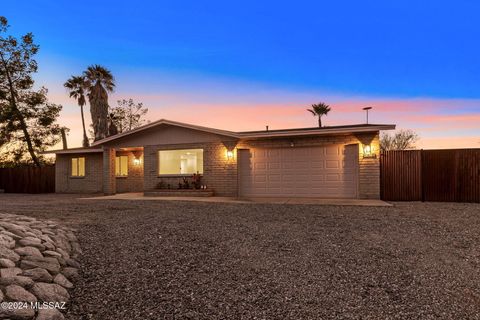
(219, 172)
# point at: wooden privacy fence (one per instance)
(451, 175)
(28, 179)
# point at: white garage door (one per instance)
(323, 172)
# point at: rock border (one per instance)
(39, 262)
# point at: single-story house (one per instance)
(327, 162)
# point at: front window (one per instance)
(121, 166)
(78, 167)
(187, 161)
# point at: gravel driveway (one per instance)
(185, 260)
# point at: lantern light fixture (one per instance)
(368, 151)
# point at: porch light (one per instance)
(229, 154)
(368, 151)
(137, 158)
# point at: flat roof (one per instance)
(355, 128)
(351, 126)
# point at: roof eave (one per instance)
(322, 131)
(71, 151)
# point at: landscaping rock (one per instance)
(6, 263)
(10, 272)
(38, 274)
(22, 281)
(28, 251)
(76, 248)
(61, 280)
(70, 273)
(49, 246)
(31, 239)
(9, 254)
(49, 314)
(17, 314)
(63, 253)
(50, 264)
(50, 292)
(7, 241)
(72, 263)
(46, 231)
(12, 235)
(17, 293)
(14, 228)
(30, 243)
(51, 253)
(62, 243)
(37, 263)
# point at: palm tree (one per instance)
(99, 82)
(319, 110)
(76, 88)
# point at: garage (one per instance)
(320, 172)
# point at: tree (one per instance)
(319, 110)
(401, 140)
(127, 115)
(27, 120)
(76, 86)
(99, 82)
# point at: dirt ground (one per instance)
(191, 260)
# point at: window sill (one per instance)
(77, 177)
(121, 177)
(176, 175)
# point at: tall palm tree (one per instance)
(76, 87)
(100, 82)
(319, 110)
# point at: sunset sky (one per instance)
(243, 65)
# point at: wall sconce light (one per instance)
(368, 151)
(137, 158)
(229, 154)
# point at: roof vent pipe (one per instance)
(266, 128)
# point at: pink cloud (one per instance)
(449, 142)
(428, 117)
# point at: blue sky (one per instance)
(421, 58)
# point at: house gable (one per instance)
(166, 134)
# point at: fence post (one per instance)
(422, 175)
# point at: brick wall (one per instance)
(109, 181)
(91, 183)
(134, 181)
(219, 173)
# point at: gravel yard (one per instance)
(191, 260)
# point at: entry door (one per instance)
(320, 172)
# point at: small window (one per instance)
(121, 166)
(78, 167)
(188, 161)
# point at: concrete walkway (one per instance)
(335, 202)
